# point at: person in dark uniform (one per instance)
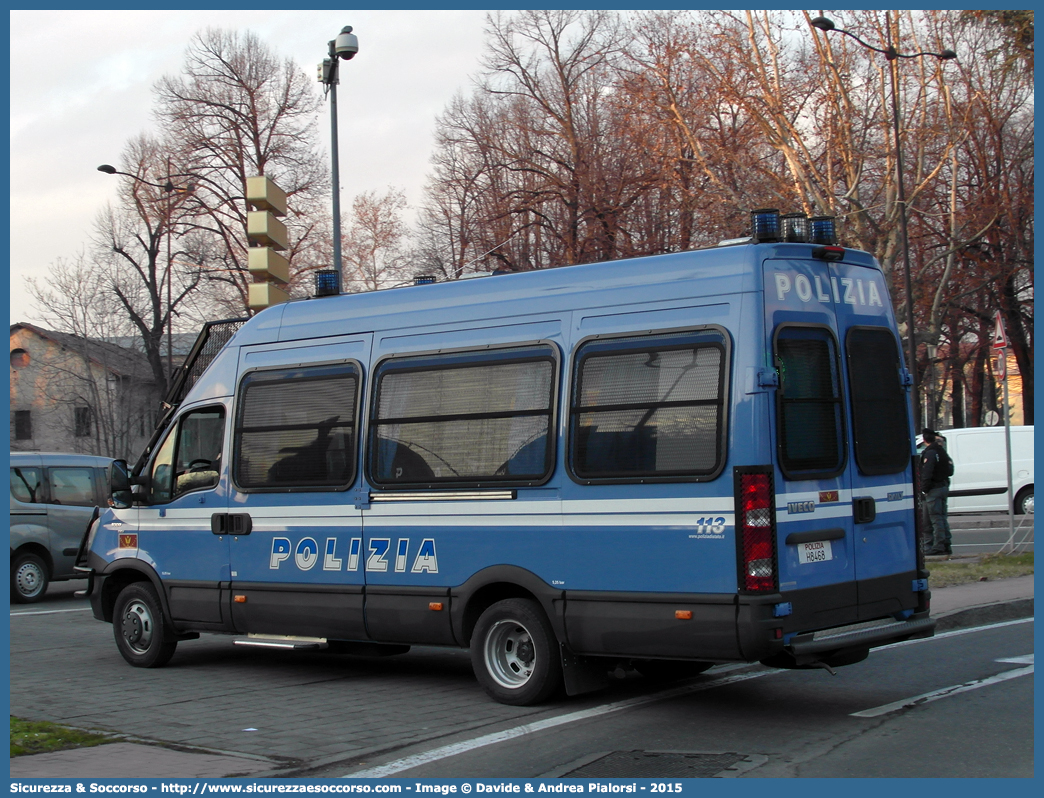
(935, 484)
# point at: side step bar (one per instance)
(282, 641)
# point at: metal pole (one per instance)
(911, 353)
(334, 76)
(170, 315)
(1003, 353)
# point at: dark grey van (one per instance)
(53, 497)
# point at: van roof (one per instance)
(715, 271)
(54, 459)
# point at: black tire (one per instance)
(29, 578)
(669, 670)
(1024, 501)
(515, 653)
(140, 629)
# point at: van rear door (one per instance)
(844, 493)
(815, 541)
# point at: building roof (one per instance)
(119, 360)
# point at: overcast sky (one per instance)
(81, 86)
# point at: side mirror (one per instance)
(120, 485)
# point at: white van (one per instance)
(980, 473)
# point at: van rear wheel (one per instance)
(29, 578)
(514, 653)
(1024, 501)
(140, 628)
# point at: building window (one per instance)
(22, 421)
(82, 422)
(19, 358)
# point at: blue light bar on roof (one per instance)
(795, 227)
(823, 230)
(764, 224)
(327, 282)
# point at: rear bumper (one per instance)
(834, 640)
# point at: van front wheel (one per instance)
(140, 629)
(1024, 501)
(514, 653)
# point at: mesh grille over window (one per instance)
(454, 421)
(811, 435)
(652, 410)
(295, 428)
(879, 409)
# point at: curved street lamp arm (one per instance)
(890, 53)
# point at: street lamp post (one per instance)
(345, 46)
(893, 56)
(168, 188)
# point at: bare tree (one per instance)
(375, 241)
(236, 111)
(97, 391)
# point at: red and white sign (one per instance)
(1002, 363)
(1000, 340)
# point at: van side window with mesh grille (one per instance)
(879, 404)
(810, 426)
(295, 428)
(464, 419)
(649, 407)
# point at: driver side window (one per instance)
(189, 458)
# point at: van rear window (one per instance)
(879, 404)
(295, 428)
(25, 485)
(464, 419)
(810, 427)
(649, 407)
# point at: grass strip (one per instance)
(988, 567)
(41, 737)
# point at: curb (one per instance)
(985, 614)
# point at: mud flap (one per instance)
(583, 674)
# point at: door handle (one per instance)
(231, 524)
(240, 524)
(864, 509)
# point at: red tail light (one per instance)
(756, 531)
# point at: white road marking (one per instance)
(945, 692)
(50, 612)
(955, 633)
(1026, 660)
(529, 728)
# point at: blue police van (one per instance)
(670, 462)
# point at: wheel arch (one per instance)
(125, 572)
(1021, 494)
(41, 551)
(496, 583)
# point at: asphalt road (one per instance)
(763, 723)
(322, 714)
